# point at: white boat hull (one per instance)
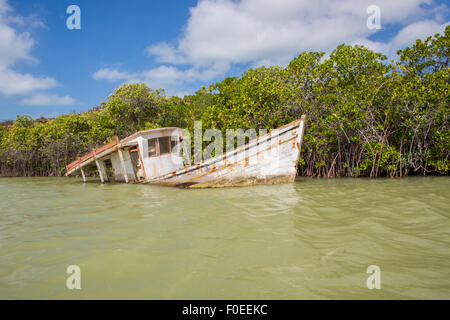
(269, 159)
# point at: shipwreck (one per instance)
(154, 157)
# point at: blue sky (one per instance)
(47, 69)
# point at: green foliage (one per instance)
(365, 116)
(131, 106)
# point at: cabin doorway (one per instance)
(137, 166)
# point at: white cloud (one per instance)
(252, 30)
(169, 78)
(417, 30)
(43, 99)
(405, 37)
(15, 47)
(12, 82)
(4, 7)
(222, 33)
(111, 75)
(164, 52)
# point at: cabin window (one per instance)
(164, 145)
(160, 146)
(152, 147)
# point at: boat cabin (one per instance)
(142, 156)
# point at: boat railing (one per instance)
(80, 160)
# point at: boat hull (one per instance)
(269, 159)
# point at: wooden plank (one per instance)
(142, 163)
(122, 162)
(100, 171)
(82, 174)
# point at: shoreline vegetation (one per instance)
(366, 116)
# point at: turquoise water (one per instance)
(310, 240)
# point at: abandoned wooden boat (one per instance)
(154, 157)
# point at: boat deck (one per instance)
(92, 156)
